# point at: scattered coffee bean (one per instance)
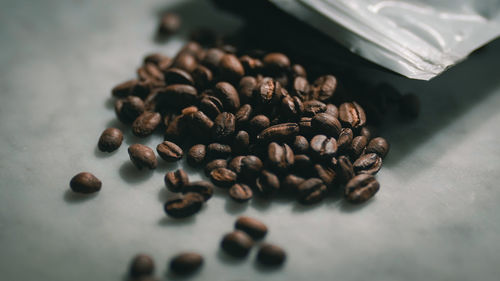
(352, 115)
(169, 151)
(142, 265)
(379, 146)
(146, 123)
(240, 192)
(237, 244)
(196, 155)
(291, 183)
(358, 145)
(228, 96)
(85, 183)
(241, 143)
(169, 24)
(224, 126)
(324, 123)
(311, 191)
(251, 167)
(271, 255)
(280, 157)
(276, 62)
(231, 68)
(345, 170)
(142, 156)
(345, 139)
(324, 87)
(279, 132)
(332, 110)
(176, 181)
(177, 76)
(326, 174)
(313, 107)
(300, 145)
(323, 147)
(253, 227)
(300, 88)
(129, 108)
(110, 140)
(223, 177)
(367, 164)
(361, 188)
(184, 206)
(204, 188)
(186, 263)
(267, 184)
(214, 164)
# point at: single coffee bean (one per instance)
(146, 123)
(185, 61)
(237, 244)
(218, 151)
(156, 59)
(291, 183)
(177, 76)
(324, 87)
(203, 77)
(240, 192)
(379, 146)
(326, 174)
(241, 143)
(176, 128)
(228, 96)
(271, 255)
(280, 157)
(298, 70)
(292, 107)
(194, 49)
(196, 155)
(150, 72)
(212, 58)
(276, 62)
(268, 91)
(186, 263)
(235, 164)
(142, 156)
(358, 145)
(230, 68)
(279, 132)
(169, 24)
(311, 191)
(243, 115)
(169, 151)
(369, 163)
(368, 132)
(324, 123)
(352, 115)
(300, 145)
(258, 123)
(85, 183)
(246, 88)
(177, 96)
(124, 89)
(184, 206)
(204, 188)
(224, 126)
(361, 188)
(313, 107)
(332, 110)
(223, 177)
(323, 147)
(176, 181)
(300, 88)
(409, 105)
(345, 139)
(211, 106)
(253, 227)
(129, 108)
(345, 170)
(214, 164)
(251, 166)
(251, 65)
(200, 125)
(267, 183)
(142, 265)
(110, 140)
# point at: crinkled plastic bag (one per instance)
(416, 38)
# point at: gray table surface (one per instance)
(436, 216)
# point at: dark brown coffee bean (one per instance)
(367, 164)
(241, 143)
(358, 145)
(271, 255)
(211, 106)
(228, 96)
(368, 132)
(142, 156)
(177, 96)
(200, 125)
(214, 164)
(218, 151)
(204, 188)
(268, 91)
(251, 166)
(361, 188)
(323, 147)
(332, 110)
(291, 183)
(305, 126)
(253, 227)
(379, 146)
(176, 128)
(251, 65)
(235, 164)
(212, 58)
(186, 263)
(129, 108)
(142, 265)
(267, 183)
(146, 123)
(203, 77)
(276, 62)
(313, 107)
(176, 181)
(279, 132)
(124, 89)
(291, 107)
(110, 140)
(311, 191)
(302, 164)
(169, 151)
(184, 206)
(237, 244)
(345, 170)
(409, 105)
(150, 72)
(243, 115)
(258, 123)
(193, 48)
(185, 61)
(196, 155)
(280, 157)
(230, 68)
(326, 174)
(223, 177)
(298, 70)
(156, 59)
(324, 123)
(352, 115)
(300, 145)
(85, 183)
(324, 87)
(345, 139)
(224, 126)
(300, 88)
(178, 76)
(240, 192)
(169, 24)
(246, 88)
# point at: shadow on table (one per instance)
(71, 197)
(130, 174)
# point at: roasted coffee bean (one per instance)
(129, 108)
(326, 174)
(345, 170)
(300, 88)
(240, 192)
(361, 188)
(194, 49)
(268, 91)
(241, 143)
(218, 151)
(235, 164)
(302, 164)
(204, 188)
(186, 263)
(276, 62)
(280, 157)
(224, 126)
(352, 115)
(291, 183)
(214, 164)
(85, 183)
(185, 61)
(345, 139)
(368, 133)
(267, 183)
(332, 110)
(146, 123)
(211, 106)
(237, 244)
(300, 145)
(156, 59)
(177, 95)
(142, 265)
(298, 70)
(409, 105)
(223, 177)
(124, 89)
(243, 115)
(228, 96)
(251, 166)
(177, 76)
(150, 72)
(324, 123)
(258, 123)
(279, 132)
(379, 146)
(175, 130)
(305, 126)
(358, 145)
(230, 68)
(368, 164)
(110, 140)
(246, 88)
(184, 206)
(169, 24)
(200, 125)
(271, 255)
(313, 107)
(142, 156)
(176, 181)
(251, 65)
(169, 151)
(253, 227)
(292, 107)
(203, 77)
(196, 155)
(323, 147)
(311, 191)
(324, 87)
(212, 58)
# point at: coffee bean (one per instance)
(85, 183)
(298, 70)
(345, 170)
(178, 76)
(169, 24)
(185, 61)
(409, 105)
(196, 155)
(292, 107)
(369, 163)
(214, 164)
(235, 164)
(110, 140)
(129, 108)
(223, 177)
(228, 96)
(124, 89)
(186, 263)
(194, 49)
(324, 87)
(224, 126)
(358, 145)
(300, 145)
(280, 157)
(271, 255)
(367, 132)
(169, 151)
(253, 227)
(276, 62)
(157, 59)
(146, 123)
(212, 58)
(326, 174)
(311, 191)
(302, 164)
(211, 106)
(267, 183)
(251, 65)
(241, 143)
(291, 183)
(150, 72)
(246, 88)
(300, 88)
(203, 77)
(204, 188)
(345, 139)
(218, 151)
(230, 68)
(177, 95)
(176, 128)
(313, 107)
(237, 244)
(251, 166)
(240, 192)
(305, 126)
(323, 147)
(176, 181)
(379, 146)
(279, 132)
(200, 125)
(258, 123)
(142, 265)
(332, 110)
(243, 115)
(268, 91)
(352, 115)
(142, 156)
(361, 188)
(324, 123)
(184, 206)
